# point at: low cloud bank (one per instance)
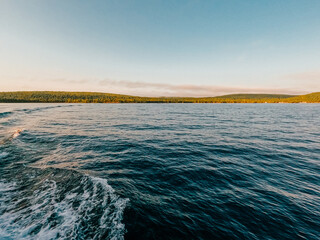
(161, 89)
(140, 88)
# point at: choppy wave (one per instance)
(9, 138)
(190, 172)
(29, 110)
(3, 154)
(17, 133)
(5, 114)
(81, 207)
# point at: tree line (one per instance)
(93, 97)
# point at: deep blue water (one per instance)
(160, 171)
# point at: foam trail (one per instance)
(90, 210)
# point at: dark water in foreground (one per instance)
(160, 171)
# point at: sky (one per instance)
(161, 48)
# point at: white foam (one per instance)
(17, 133)
(5, 187)
(113, 213)
(44, 203)
(3, 154)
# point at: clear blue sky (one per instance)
(152, 47)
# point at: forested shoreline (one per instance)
(96, 97)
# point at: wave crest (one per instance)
(3, 154)
(89, 209)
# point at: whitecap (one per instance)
(49, 213)
(3, 154)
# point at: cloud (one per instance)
(141, 88)
(62, 80)
(162, 89)
(304, 80)
(305, 76)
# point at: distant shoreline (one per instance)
(165, 102)
(97, 97)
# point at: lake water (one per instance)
(160, 171)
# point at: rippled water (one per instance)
(160, 171)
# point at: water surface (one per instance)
(159, 171)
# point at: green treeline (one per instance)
(94, 97)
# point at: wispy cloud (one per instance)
(305, 76)
(309, 80)
(68, 81)
(297, 84)
(162, 89)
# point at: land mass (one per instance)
(96, 97)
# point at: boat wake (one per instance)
(54, 207)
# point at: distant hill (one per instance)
(255, 96)
(96, 97)
(308, 98)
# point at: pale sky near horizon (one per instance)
(161, 48)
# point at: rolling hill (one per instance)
(96, 97)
